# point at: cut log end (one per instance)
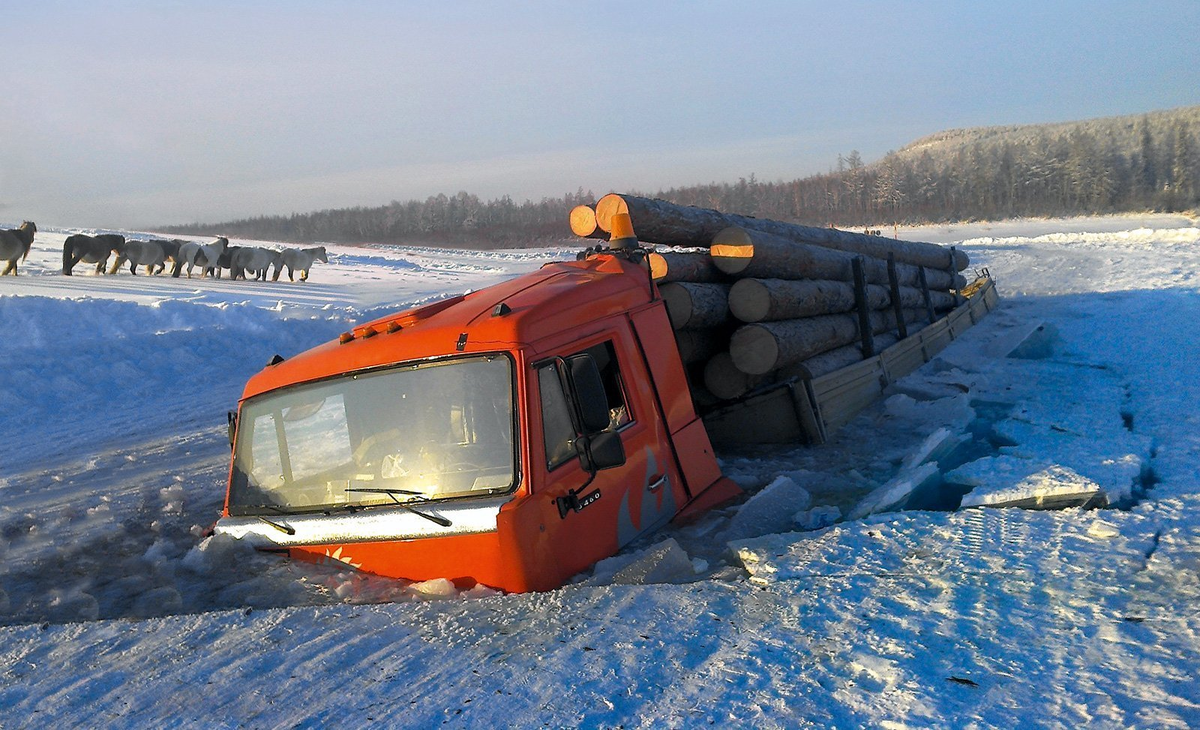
(658, 266)
(739, 256)
(724, 380)
(670, 266)
(749, 300)
(679, 304)
(606, 208)
(692, 305)
(583, 221)
(754, 350)
(732, 249)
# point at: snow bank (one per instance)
(1156, 238)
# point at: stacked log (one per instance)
(583, 222)
(767, 300)
(658, 221)
(684, 266)
(747, 252)
(724, 379)
(700, 345)
(758, 349)
(756, 302)
(695, 305)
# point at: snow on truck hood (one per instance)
(375, 524)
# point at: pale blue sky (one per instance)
(134, 113)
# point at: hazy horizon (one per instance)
(133, 114)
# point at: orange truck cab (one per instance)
(511, 437)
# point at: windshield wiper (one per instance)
(278, 510)
(282, 528)
(438, 519)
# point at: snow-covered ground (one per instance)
(805, 605)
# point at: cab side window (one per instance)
(558, 428)
(606, 359)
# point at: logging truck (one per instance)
(514, 436)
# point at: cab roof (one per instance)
(557, 298)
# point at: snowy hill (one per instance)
(810, 603)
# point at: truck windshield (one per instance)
(428, 431)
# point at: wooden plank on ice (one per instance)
(903, 358)
(808, 411)
(990, 296)
(874, 377)
(840, 411)
(874, 382)
(960, 321)
(937, 336)
(848, 374)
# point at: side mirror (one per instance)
(588, 390)
(603, 450)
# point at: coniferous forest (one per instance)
(1109, 165)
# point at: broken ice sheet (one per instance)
(954, 412)
(1004, 479)
(817, 517)
(770, 510)
(663, 562)
(895, 493)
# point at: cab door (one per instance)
(599, 513)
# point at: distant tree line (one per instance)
(1109, 165)
(1117, 164)
(462, 219)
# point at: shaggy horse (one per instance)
(15, 244)
(205, 256)
(300, 259)
(170, 250)
(257, 260)
(138, 253)
(226, 260)
(90, 250)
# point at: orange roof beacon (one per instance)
(511, 437)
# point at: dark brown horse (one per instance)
(226, 260)
(15, 244)
(171, 249)
(90, 250)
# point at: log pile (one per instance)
(755, 302)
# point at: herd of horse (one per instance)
(242, 262)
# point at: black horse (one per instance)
(90, 250)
